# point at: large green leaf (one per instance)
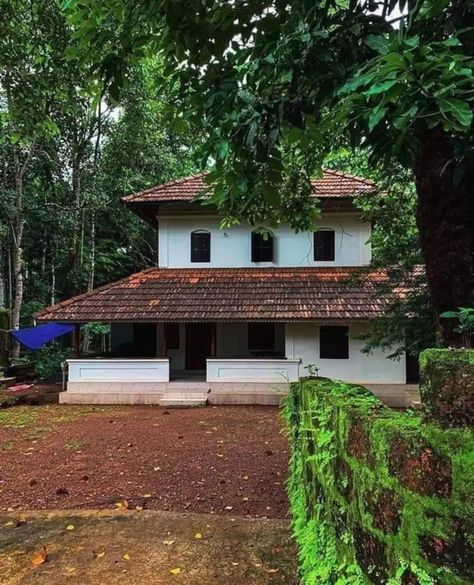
(458, 109)
(431, 8)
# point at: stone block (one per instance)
(447, 387)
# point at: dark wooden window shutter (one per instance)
(200, 247)
(334, 342)
(261, 336)
(262, 247)
(324, 246)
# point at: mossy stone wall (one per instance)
(377, 496)
(447, 387)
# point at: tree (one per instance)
(273, 82)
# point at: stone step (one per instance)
(184, 399)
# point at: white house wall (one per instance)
(230, 247)
(302, 341)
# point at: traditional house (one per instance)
(230, 315)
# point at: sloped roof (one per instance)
(332, 184)
(231, 295)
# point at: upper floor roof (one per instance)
(331, 186)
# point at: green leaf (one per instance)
(460, 110)
(378, 42)
(381, 87)
(431, 8)
(376, 117)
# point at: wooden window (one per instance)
(324, 246)
(334, 342)
(200, 246)
(172, 335)
(262, 247)
(261, 336)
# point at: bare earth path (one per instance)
(144, 548)
(178, 496)
(223, 460)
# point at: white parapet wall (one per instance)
(110, 371)
(253, 370)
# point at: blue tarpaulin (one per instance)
(35, 337)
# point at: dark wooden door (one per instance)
(198, 345)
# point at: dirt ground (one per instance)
(228, 460)
(143, 548)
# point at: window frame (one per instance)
(200, 255)
(328, 254)
(333, 352)
(259, 246)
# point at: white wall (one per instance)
(302, 341)
(230, 247)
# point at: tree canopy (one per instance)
(274, 84)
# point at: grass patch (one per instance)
(74, 445)
(18, 417)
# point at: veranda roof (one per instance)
(231, 295)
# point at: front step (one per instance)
(175, 400)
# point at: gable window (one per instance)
(324, 246)
(261, 336)
(262, 247)
(334, 342)
(200, 246)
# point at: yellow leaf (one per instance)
(126, 557)
(176, 571)
(70, 527)
(10, 524)
(198, 536)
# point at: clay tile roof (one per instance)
(230, 295)
(332, 184)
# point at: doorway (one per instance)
(198, 345)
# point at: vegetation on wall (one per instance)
(377, 496)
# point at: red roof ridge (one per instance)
(163, 186)
(345, 175)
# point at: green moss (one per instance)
(336, 487)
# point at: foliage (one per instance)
(354, 518)
(80, 155)
(465, 326)
(48, 359)
(271, 84)
(275, 86)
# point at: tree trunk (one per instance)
(18, 229)
(445, 218)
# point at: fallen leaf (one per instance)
(272, 570)
(123, 505)
(198, 536)
(157, 468)
(40, 557)
(98, 555)
(70, 527)
(229, 508)
(126, 557)
(175, 571)
(10, 523)
(146, 496)
(168, 542)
